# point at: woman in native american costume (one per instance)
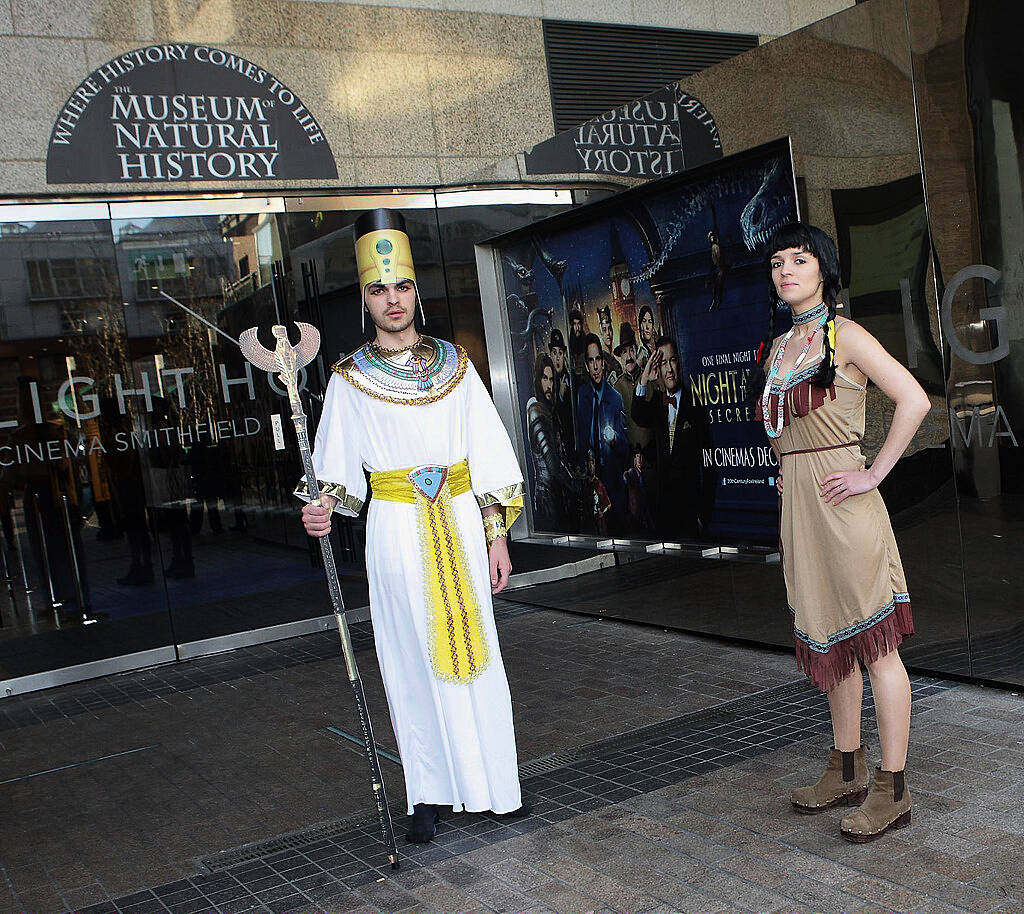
(844, 579)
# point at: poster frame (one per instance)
(497, 333)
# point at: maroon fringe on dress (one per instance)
(829, 669)
(799, 401)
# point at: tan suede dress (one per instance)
(844, 580)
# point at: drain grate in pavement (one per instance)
(337, 857)
(306, 837)
(337, 828)
(548, 763)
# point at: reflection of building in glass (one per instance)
(866, 99)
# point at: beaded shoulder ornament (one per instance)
(434, 369)
(819, 314)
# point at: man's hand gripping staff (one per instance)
(287, 360)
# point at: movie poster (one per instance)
(633, 323)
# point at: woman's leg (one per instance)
(846, 776)
(888, 804)
(844, 701)
(891, 687)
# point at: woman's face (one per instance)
(647, 327)
(797, 278)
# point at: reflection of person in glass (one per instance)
(612, 366)
(718, 270)
(413, 411)
(595, 499)
(600, 427)
(45, 484)
(553, 481)
(563, 392)
(684, 489)
(648, 336)
(844, 579)
(639, 521)
(129, 494)
(171, 490)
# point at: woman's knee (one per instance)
(887, 664)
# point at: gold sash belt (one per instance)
(397, 485)
(458, 644)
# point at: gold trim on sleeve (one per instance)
(334, 489)
(509, 498)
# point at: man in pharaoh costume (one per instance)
(446, 487)
(554, 482)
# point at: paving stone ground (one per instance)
(669, 792)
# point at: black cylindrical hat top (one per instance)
(379, 220)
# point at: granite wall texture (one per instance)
(423, 93)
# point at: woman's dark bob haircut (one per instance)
(814, 241)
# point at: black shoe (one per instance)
(137, 575)
(521, 813)
(423, 826)
(180, 569)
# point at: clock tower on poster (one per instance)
(623, 301)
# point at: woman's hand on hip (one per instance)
(837, 487)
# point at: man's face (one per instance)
(577, 327)
(669, 368)
(606, 331)
(629, 359)
(391, 306)
(595, 364)
(558, 357)
(547, 383)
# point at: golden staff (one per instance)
(286, 360)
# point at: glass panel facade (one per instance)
(969, 79)
(139, 478)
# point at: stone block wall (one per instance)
(420, 94)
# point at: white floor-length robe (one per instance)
(456, 740)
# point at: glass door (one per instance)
(72, 518)
(228, 546)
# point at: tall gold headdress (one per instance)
(383, 252)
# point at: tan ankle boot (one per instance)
(845, 781)
(887, 806)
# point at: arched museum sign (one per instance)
(185, 112)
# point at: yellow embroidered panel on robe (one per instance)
(458, 643)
